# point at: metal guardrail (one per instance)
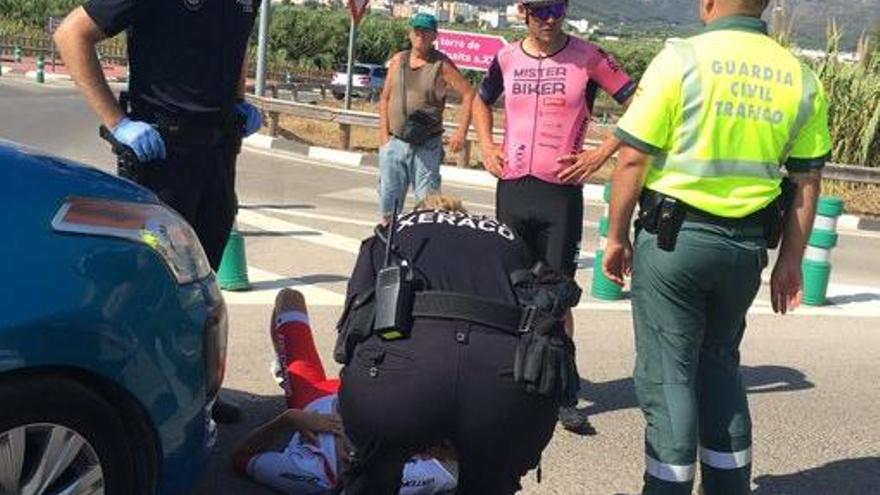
(852, 173)
(346, 119)
(350, 118)
(111, 51)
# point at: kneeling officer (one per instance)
(451, 336)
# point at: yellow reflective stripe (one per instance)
(717, 168)
(692, 96)
(809, 88)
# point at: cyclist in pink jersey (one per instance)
(549, 81)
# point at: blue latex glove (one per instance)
(142, 138)
(253, 117)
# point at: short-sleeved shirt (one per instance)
(721, 113)
(548, 102)
(451, 252)
(185, 56)
(304, 468)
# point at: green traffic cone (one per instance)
(816, 266)
(603, 288)
(233, 268)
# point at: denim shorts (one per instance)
(402, 165)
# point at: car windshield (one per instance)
(380, 72)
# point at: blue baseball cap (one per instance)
(424, 21)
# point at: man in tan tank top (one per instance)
(411, 117)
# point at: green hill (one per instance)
(680, 17)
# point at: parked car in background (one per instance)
(112, 335)
(367, 81)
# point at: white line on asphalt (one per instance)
(264, 286)
(295, 157)
(847, 300)
(855, 309)
(299, 232)
(318, 216)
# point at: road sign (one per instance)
(357, 7)
(469, 50)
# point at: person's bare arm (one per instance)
(385, 98)
(579, 167)
(627, 185)
(785, 282)
(76, 38)
(460, 85)
(307, 424)
(260, 439)
(493, 155)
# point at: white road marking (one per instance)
(265, 285)
(319, 237)
(846, 300)
(318, 216)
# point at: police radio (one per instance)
(394, 293)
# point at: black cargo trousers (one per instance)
(449, 381)
(197, 179)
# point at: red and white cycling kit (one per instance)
(548, 102)
(304, 468)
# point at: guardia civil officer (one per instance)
(716, 122)
(185, 115)
(478, 359)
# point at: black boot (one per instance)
(575, 420)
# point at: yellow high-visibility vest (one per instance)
(721, 113)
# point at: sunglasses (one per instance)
(545, 12)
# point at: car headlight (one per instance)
(153, 225)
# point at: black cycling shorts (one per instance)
(548, 217)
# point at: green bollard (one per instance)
(17, 53)
(41, 74)
(233, 268)
(816, 267)
(603, 288)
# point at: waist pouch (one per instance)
(355, 325)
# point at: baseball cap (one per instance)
(424, 21)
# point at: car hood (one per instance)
(29, 178)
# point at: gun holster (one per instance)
(663, 216)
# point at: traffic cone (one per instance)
(816, 267)
(233, 267)
(603, 288)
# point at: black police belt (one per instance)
(651, 201)
(227, 127)
(663, 215)
(544, 362)
(510, 318)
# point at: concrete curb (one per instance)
(592, 192)
(53, 76)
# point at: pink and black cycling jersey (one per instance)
(548, 102)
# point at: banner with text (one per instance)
(469, 50)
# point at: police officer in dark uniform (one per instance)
(185, 115)
(481, 363)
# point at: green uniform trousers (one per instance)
(689, 309)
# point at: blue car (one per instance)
(112, 335)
